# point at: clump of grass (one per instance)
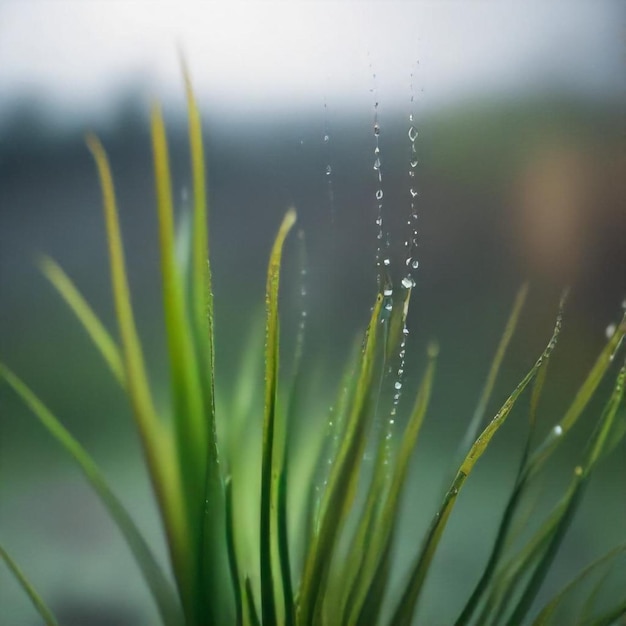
(336, 568)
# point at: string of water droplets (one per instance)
(383, 260)
(411, 242)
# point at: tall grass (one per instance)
(336, 569)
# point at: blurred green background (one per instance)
(520, 113)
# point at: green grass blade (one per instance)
(232, 552)
(609, 617)
(252, 616)
(156, 444)
(202, 325)
(372, 607)
(342, 482)
(269, 477)
(505, 340)
(44, 612)
(504, 528)
(94, 327)
(545, 615)
(381, 541)
(580, 401)
(189, 420)
(407, 604)
(159, 586)
(598, 442)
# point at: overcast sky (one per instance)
(79, 54)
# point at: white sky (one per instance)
(78, 53)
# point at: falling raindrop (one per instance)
(329, 170)
(412, 133)
(610, 330)
(408, 282)
(379, 194)
(415, 264)
(377, 164)
(387, 291)
(557, 430)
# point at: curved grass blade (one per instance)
(599, 440)
(156, 445)
(252, 617)
(545, 615)
(581, 400)
(504, 528)
(269, 477)
(94, 327)
(292, 410)
(373, 566)
(159, 586)
(44, 612)
(609, 617)
(505, 340)
(189, 421)
(202, 325)
(342, 482)
(539, 457)
(232, 552)
(408, 601)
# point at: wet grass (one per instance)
(226, 496)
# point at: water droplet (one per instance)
(413, 163)
(388, 306)
(379, 221)
(412, 133)
(376, 129)
(376, 150)
(405, 331)
(326, 138)
(397, 385)
(387, 262)
(408, 282)
(379, 235)
(377, 164)
(400, 372)
(413, 192)
(410, 117)
(388, 291)
(379, 194)
(415, 264)
(557, 430)
(610, 330)
(578, 470)
(329, 170)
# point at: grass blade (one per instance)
(162, 591)
(586, 390)
(189, 421)
(156, 445)
(251, 613)
(374, 567)
(232, 552)
(269, 486)
(545, 615)
(481, 408)
(598, 442)
(342, 482)
(94, 327)
(202, 325)
(35, 598)
(406, 606)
